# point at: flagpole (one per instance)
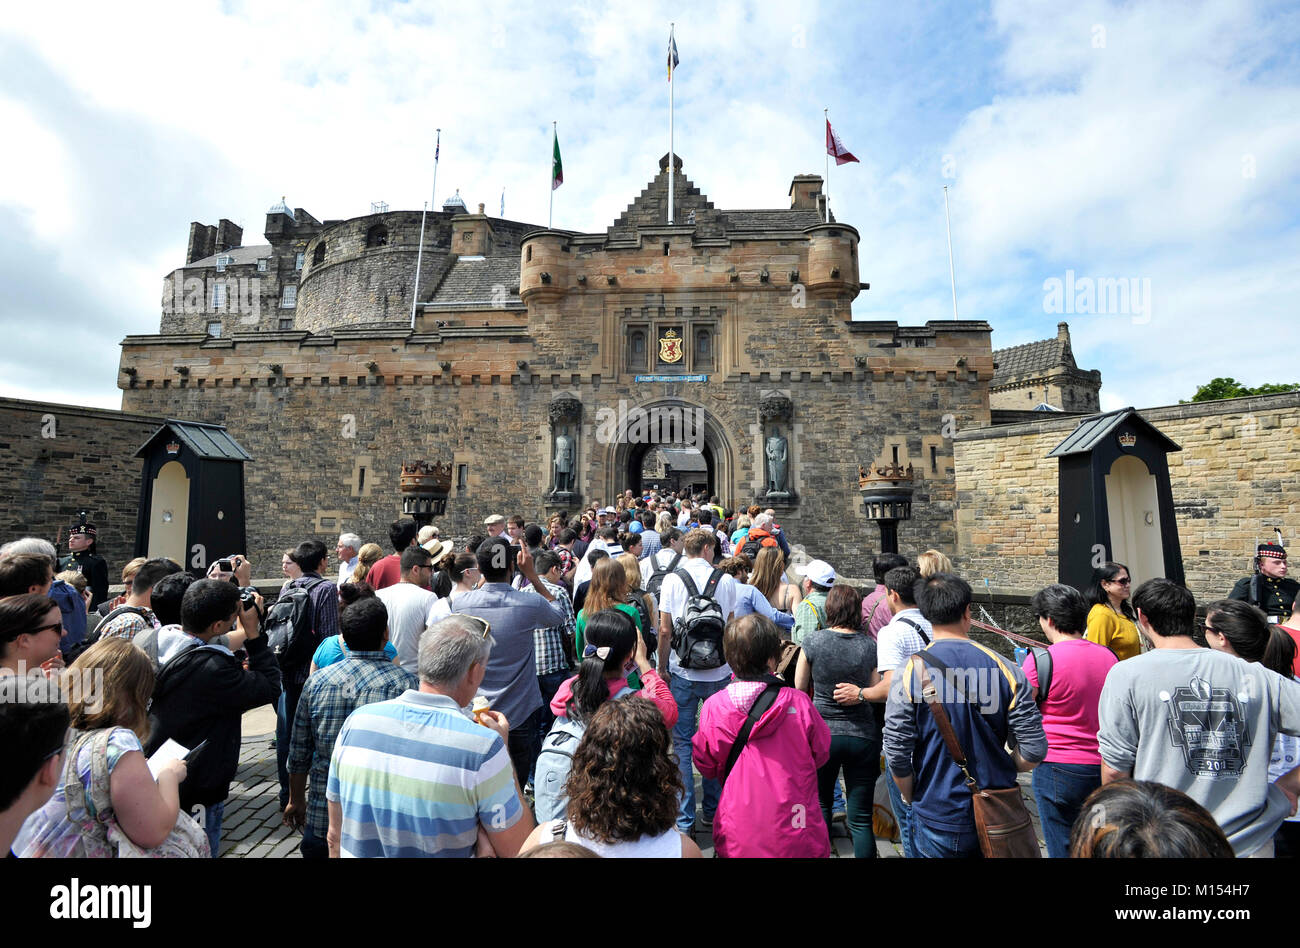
(670, 125)
(826, 188)
(419, 254)
(951, 272)
(555, 137)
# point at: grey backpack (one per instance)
(555, 761)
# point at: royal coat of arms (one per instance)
(670, 347)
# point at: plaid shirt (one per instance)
(328, 698)
(128, 625)
(325, 618)
(651, 543)
(548, 644)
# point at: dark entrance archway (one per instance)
(688, 425)
(671, 467)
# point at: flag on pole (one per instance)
(672, 54)
(557, 167)
(835, 148)
(503, 202)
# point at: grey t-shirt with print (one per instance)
(1203, 722)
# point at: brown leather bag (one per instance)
(1001, 819)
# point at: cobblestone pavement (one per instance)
(251, 827)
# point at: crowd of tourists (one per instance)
(554, 689)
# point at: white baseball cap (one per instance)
(820, 572)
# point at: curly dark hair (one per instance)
(624, 783)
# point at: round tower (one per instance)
(832, 261)
(543, 266)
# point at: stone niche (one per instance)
(775, 415)
(565, 413)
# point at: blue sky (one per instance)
(1157, 143)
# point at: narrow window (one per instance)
(895, 455)
(462, 476)
(214, 329)
(361, 480)
(318, 256)
(218, 296)
(665, 248)
(297, 261)
(289, 298)
(934, 459)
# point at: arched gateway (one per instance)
(671, 423)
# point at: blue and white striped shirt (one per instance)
(416, 776)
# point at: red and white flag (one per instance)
(835, 148)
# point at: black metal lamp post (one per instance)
(425, 486)
(887, 496)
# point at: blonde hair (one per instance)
(123, 685)
(631, 569)
(77, 580)
(931, 562)
(367, 556)
(766, 575)
(131, 568)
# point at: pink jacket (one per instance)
(652, 687)
(769, 804)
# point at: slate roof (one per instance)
(211, 442)
(771, 219)
(238, 255)
(471, 280)
(684, 459)
(1032, 357)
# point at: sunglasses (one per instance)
(1120, 582)
(52, 627)
(487, 627)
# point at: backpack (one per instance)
(1043, 666)
(697, 635)
(649, 628)
(755, 540)
(289, 625)
(656, 580)
(554, 762)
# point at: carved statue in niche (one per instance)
(563, 462)
(777, 450)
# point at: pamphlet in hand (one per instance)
(164, 755)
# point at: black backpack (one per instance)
(656, 580)
(697, 635)
(289, 625)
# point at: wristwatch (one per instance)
(861, 700)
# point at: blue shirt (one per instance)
(333, 649)
(74, 613)
(416, 776)
(510, 684)
(991, 702)
(749, 599)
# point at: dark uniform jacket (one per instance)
(1275, 596)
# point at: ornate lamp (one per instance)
(424, 486)
(887, 496)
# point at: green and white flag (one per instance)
(557, 167)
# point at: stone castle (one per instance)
(524, 339)
(534, 352)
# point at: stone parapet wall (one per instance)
(1237, 477)
(57, 460)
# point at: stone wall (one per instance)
(1237, 477)
(327, 455)
(57, 460)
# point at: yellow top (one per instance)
(1109, 628)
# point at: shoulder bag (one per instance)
(1001, 819)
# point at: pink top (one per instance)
(1070, 718)
(769, 805)
(652, 687)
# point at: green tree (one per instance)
(1231, 388)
